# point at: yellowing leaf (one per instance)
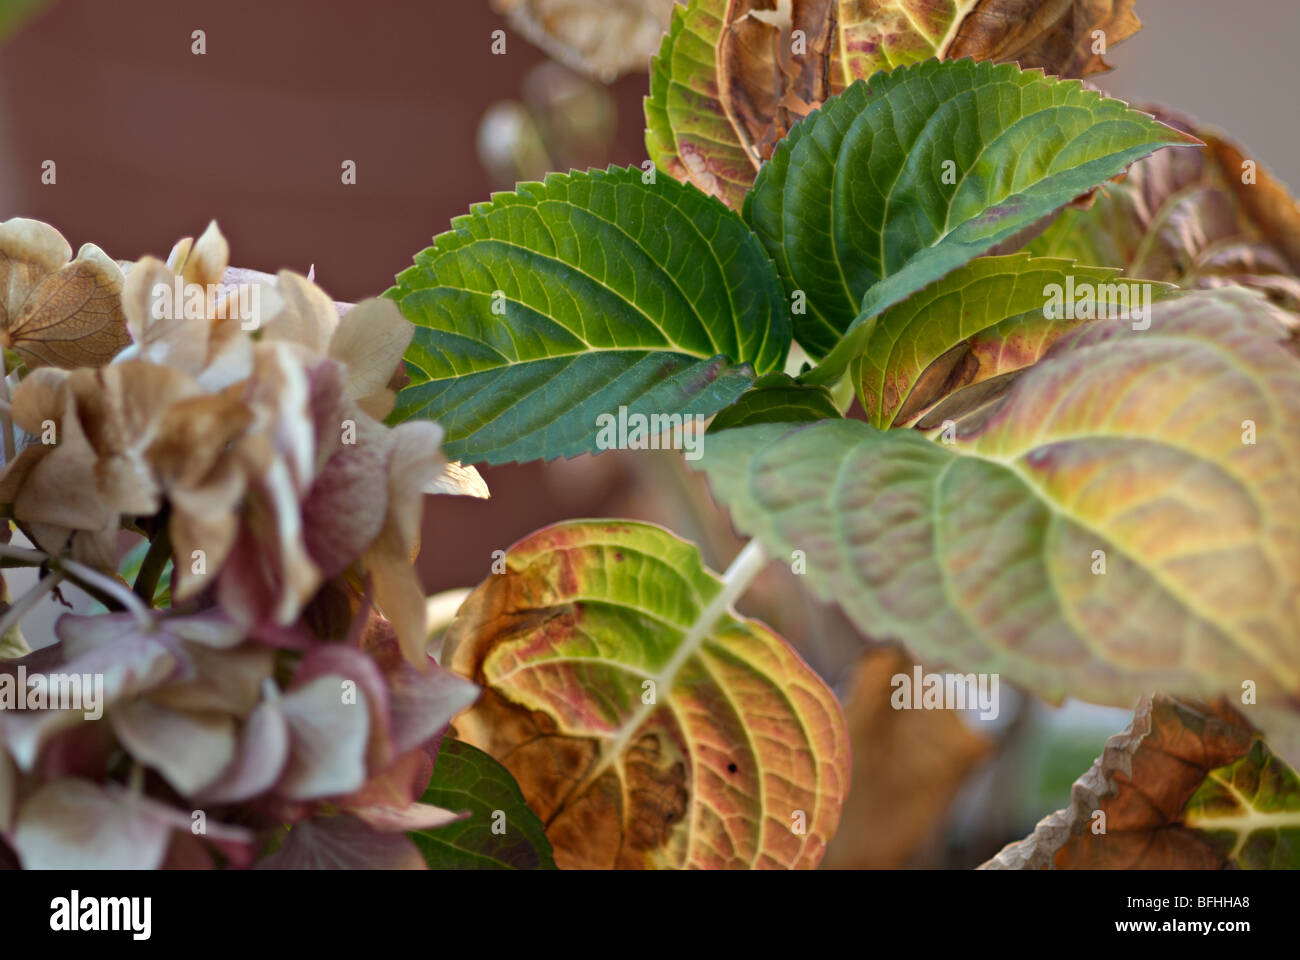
(646, 725)
(1198, 218)
(1124, 520)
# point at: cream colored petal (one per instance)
(370, 341)
(229, 681)
(208, 258)
(158, 325)
(460, 480)
(204, 523)
(280, 396)
(308, 316)
(61, 489)
(41, 396)
(72, 317)
(379, 404)
(98, 548)
(29, 250)
(90, 253)
(399, 595)
(416, 462)
(299, 576)
(180, 253)
(189, 749)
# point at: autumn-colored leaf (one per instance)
(1187, 786)
(980, 321)
(923, 755)
(646, 724)
(1197, 218)
(602, 38)
(1123, 521)
(733, 76)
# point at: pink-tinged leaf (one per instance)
(646, 725)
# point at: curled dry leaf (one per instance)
(646, 725)
(55, 310)
(733, 76)
(1067, 39)
(1187, 786)
(602, 38)
(1197, 218)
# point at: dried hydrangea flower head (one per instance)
(236, 418)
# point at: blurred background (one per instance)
(151, 141)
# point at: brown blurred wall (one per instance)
(152, 141)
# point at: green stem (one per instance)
(6, 424)
(151, 568)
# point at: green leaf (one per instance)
(467, 779)
(646, 722)
(891, 185)
(1124, 521)
(1004, 298)
(777, 398)
(14, 13)
(567, 299)
(1251, 811)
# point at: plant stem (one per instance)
(23, 604)
(151, 568)
(87, 577)
(30, 557)
(6, 424)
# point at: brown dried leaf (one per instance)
(1056, 35)
(923, 755)
(714, 119)
(1142, 782)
